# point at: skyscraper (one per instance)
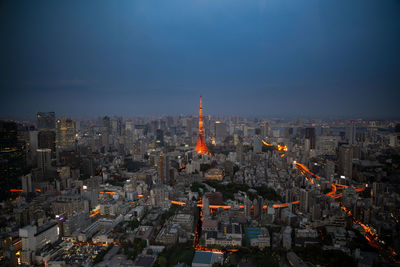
(257, 144)
(305, 200)
(159, 138)
(351, 133)
(106, 133)
(12, 156)
(26, 183)
(201, 147)
(329, 170)
(247, 207)
(116, 126)
(310, 135)
(163, 168)
(65, 133)
(220, 131)
(346, 161)
(47, 139)
(206, 207)
(46, 121)
(44, 160)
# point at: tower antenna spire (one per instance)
(201, 147)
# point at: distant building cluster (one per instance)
(133, 191)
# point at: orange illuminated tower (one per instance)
(201, 147)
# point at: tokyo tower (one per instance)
(201, 147)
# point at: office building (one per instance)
(220, 131)
(310, 135)
(257, 144)
(65, 134)
(206, 208)
(265, 129)
(351, 133)
(163, 165)
(305, 200)
(44, 160)
(47, 139)
(159, 138)
(106, 131)
(35, 238)
(26, 183)
(12, 153)
(116, 126)
(329, 170)
(46, 121)
(346, 161)
(33, 144)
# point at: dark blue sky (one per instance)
(247, 57)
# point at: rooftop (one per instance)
(202, 257)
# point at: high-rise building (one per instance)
(116, 126)
(65, 134)
(327, 145)
(316, 212)
(159, 138)
(129, 126)
(351, 133)
(239, 153)
(33, 145)
(310, 135)
(300, 132)
(44, 160)
(377, 192)
(106, 133)
(46, 121)
(346, 161)
(329, 170)
(35, 238)
(47, 139)
(201, 147)
(257, 144)
(189, 127)
(257, 207)
(163, 168)
(394, 140)
(247, 207)
(220, 131)
(12, 156)
(305, 200)
(26, 183)
(206, 207)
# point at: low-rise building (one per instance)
(186, 221)
(206, 259)
(306, 236)
(168, 235)
(262, 240)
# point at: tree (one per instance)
(162, 261)
(149, 251)
(205, 167)
(134, 223)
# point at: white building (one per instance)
(263, 239)
(34, 238)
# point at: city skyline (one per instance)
(200, 133)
